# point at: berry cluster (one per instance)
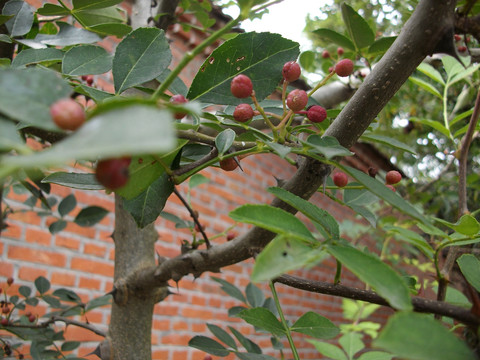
(340, 179)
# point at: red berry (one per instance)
(67, 114)
(316, 113)
(88, 79)
(297, 99)
(457, 37)
(340, 179)
(5, 309)
(231, 236)
(372, 172)
(228, 164)
(344, 67)
(31, 318)
(325, 54)
(340, 51)
(291, 71)
(4, 322)
(243, 113)
(10, 281)
(178, 99)
(113, 173)
(241, 86)
(391, 187)
(207, 357)
(393, 177)
(461, 48)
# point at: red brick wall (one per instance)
(82, 258)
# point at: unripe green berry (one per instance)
(291, 71)
(243, 113)
(316, 114)
(241, 86)
(340, 179)
(344, 67)
(297, 100)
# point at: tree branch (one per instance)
(419, 304)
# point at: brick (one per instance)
(30, 273)
(162, 325)
(75, 333)
(94, 249)
(6, 269)
(63, 278)
(179, 354)
(36, 236)
(67, 242)
(90, 283)
(160, 355)
(92, 266)
(28, 217)
(176, 339)
(197, 313)
(36, 256)
(12, 231)
(1, 248)
(88, 232)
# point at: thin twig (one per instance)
(419, 304)
(193, 215)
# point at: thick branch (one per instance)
(425, 28)
(419, 304)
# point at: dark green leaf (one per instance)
(381, 45)
(177, 86)
(252, 356)
(179, 223)
(25, 291)
(52, 301)
(22, 22)
(315, 325)
(470, 268)
(40, 87)
(310, 210)
(42, 284)
(146, 207)
(358, 29)
(57, 226)
(98, 302)
(230, 289)
(141, 56)
(327, 146)
(255, 296)
(222, 335)
(383, 279)
(52, 10)
(404, 336)
(35, 56)
(413, 238)
(235, 310)
(335, 37)
(93, 4)
(244, 54)
(67, 295)
(437, 125)
(91, 215)
(74, 180)
(67, 35)
(282, 255)
(388, 141)
(86, 60)
(248, 344)
(208, 345)
(97, 95)
(70, 345)
(67, 205)
(10, 139)
(115, 29)
(273, 219)
(264, 319)
(224, 141)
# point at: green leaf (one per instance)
(388, 141)
(93, 4)
(245, 54)
(307, 60)
(222, 335)
(404, 336)
(86, 60)
(230, 289)
(273, 219)
(93, 17)
(197, 180)
(434, 124)
(280, 150)
(385, 193)
(35, 56)
(40, 87)
(313, 212)
(250, 356)
(74, 180)
(248, 344)
(70, 345)
(255, 296)
(470, 268)
(315, 325)
(463, 74)
(431, 72)
(141, 56)
(52, 10)
(90, 215)
(67, 295)
(358, 29)
(412, 238)
(25, 291)
(115, 29)
(98, 302)
(67, 205)
(382, 278)
(452, 66)
(351, 343)
(264, 319)
(327, 146)
(328, 350)
(42, 285)
(208, 345)
(224, 141)
(466, 225)
(22, 21)
(146, 207)
(381, 45)
(109, 134)
(10, 139)
(335, 37)
(358, 197)
(97, 95)
(282, 255)
(67, 35)
(177, 86)
(426, 86)
(57, 226)
(375, 355)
